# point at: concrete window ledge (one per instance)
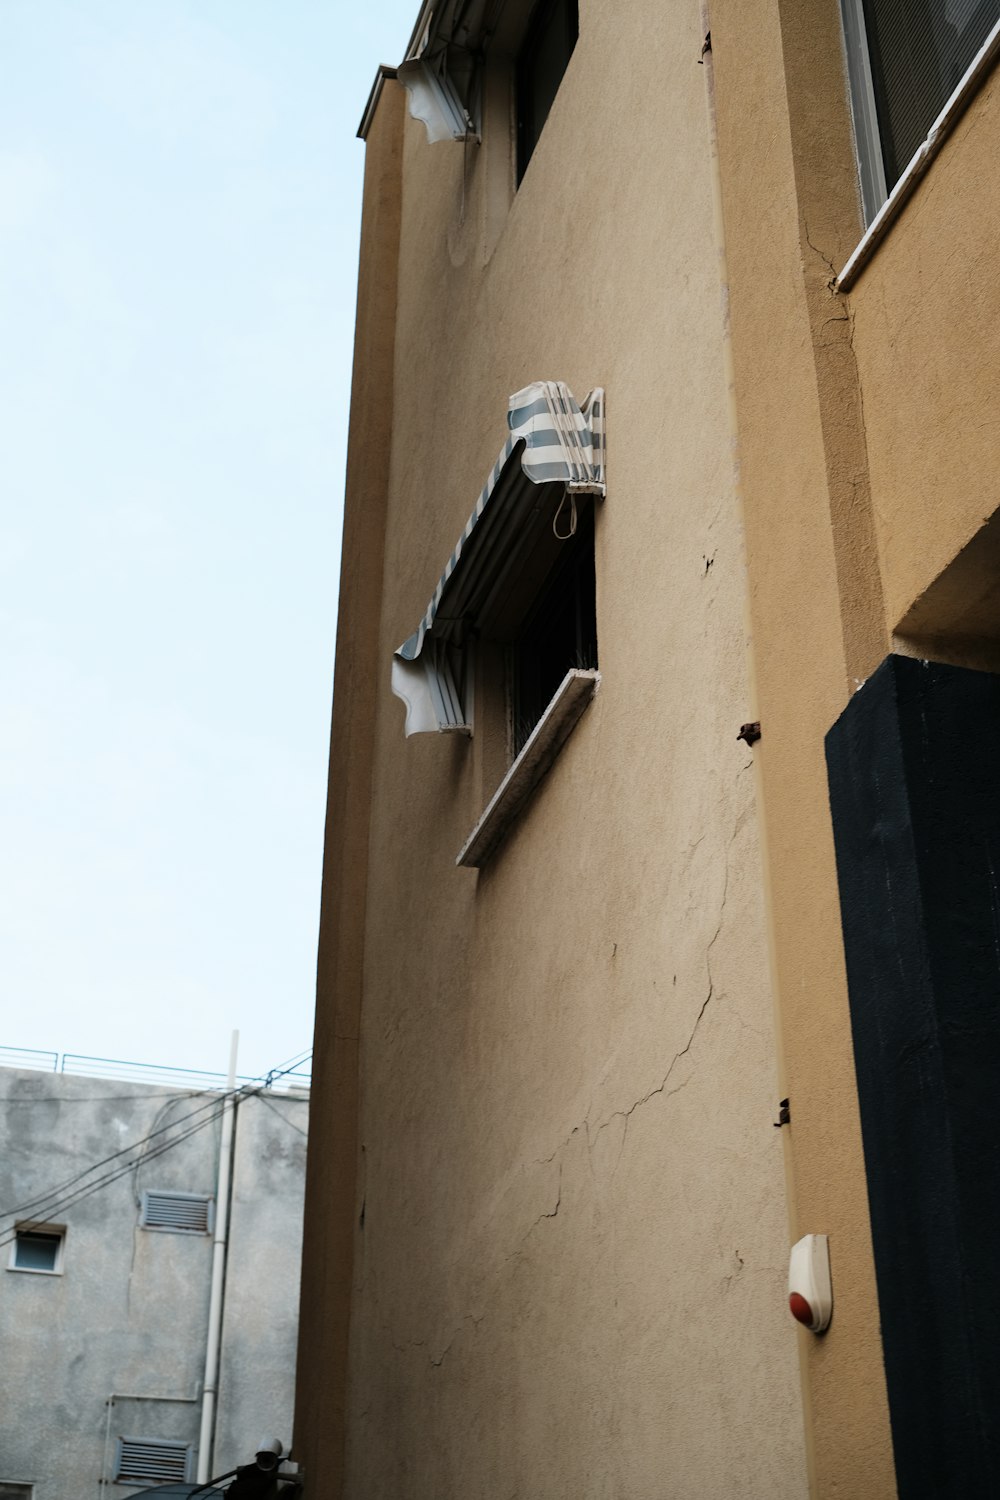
(539, 751)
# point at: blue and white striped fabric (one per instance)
(562, 442)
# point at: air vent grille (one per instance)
(150, 1461)
(185, 1213)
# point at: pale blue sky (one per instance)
(179, 205)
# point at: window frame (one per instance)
(876, 193)
(864, 113)
(963, 94)
(28, 1228)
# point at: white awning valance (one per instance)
(552, 442)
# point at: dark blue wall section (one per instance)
(914, 772)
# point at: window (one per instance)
(38, 1248)
(151, 1461)
(455, 46)
(905, 58)
(538, 72)
(9, 1491)
(559, 630)
(519, 594)
(181, 1213)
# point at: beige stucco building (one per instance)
(548, 1210)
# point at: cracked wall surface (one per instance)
(570, 1228)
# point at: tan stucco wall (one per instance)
(547, 1227)
(868, 436)
(926, 316)
(570, 1231)
(331, 1168)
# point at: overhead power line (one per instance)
(45, 1205)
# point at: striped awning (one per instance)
(558, 442)
(554, 447)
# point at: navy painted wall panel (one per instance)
(914, 773)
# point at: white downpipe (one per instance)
(211, 1385)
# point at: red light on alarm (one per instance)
(800, 1308)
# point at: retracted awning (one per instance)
(554, 445)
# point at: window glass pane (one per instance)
(919, 50)
(36, 1251)
(559, 633)
(541, 64)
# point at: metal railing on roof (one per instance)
(29, 1057)
(80, 1065)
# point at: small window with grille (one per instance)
(180, 1213)
(38, 1248)
(11, 1491)
(152, 1461)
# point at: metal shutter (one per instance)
(150, 1461)
(187, 1213)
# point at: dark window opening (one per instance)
(919, 51)
(559, 630)
(541, 63)
(36, 1251)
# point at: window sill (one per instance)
(540, 750)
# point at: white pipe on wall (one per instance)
(206, 1438)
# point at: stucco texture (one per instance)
(570, 1229)
(926, 328)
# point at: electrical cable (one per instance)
(284, 1118)
(60, 1187)
(59, 1205)
(50, 1202)
(268, 1077)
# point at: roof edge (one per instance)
(384, 72)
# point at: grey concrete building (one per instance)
(106, 1256)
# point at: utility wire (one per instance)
(48, 1209)
(213, 1107)
(115, 1155)
(60, 1205)
(284, 1118)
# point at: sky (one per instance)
(180, 190)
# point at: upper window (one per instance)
(521, 48)
(538, 71)
(905, 59)
(38, 1249)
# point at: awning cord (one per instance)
(560, 535)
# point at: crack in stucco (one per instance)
(832, 283)
(660, 1089)
(436, 1360)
